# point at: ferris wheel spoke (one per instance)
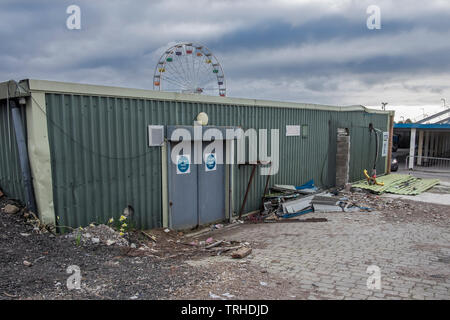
(175, 75)
(175, 82)
(188, 68)
(184, 71)
(178, 71)
(209, 80)
(197, 69)
(193, 68)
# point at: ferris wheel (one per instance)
(189, 68)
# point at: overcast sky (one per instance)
(292, 50)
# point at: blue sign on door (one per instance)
(183, 164)
(210, 162)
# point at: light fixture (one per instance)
(202, 118)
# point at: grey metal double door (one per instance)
(197, 195)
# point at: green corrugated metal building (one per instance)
(90, 157)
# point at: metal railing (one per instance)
(430, 164)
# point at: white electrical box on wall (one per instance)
(155, 136)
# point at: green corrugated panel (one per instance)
(413, 186)
(11, 181)
(101, 161)
(399, 184)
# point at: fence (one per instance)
(430, 164)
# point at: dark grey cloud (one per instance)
(312, 51)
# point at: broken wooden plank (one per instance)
(241, 253)
(150, 236)
(225, 248)
(297, 220)
(215, 244)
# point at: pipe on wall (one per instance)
(19, 131)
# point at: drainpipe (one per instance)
(19, 131)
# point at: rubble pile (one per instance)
(96, 234)
(287, 202)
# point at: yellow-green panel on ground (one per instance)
(398, 184)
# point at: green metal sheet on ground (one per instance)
(399, 184)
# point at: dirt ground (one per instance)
(166, 270)
(33, 264)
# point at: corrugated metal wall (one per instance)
(101, 161)
(11, 181)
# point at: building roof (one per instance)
(87, 89)
(438, 126)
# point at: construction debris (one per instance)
(307, 188)
(215, 244)
(296, 220)
(97, 234)
(295, 206)
(398, 184)
(27, 263)
(11, 209)
(285, 202)
(326, 204)
(241, 253)
(149, 236)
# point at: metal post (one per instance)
(412, 148)
(419, 151)
(427, 144)
(432, 143)
(19, 131)
(246, 192)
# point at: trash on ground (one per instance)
(285, 202)
(306, 188)
(298, 205)
(149, 236)
(296, 220)
(298, 213)
(241, 253)
(11, 209)
(27, 263)
(209, 240)
(215, 296)
(215, 244)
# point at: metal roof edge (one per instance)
(10, 89)
(422, 126)
(98, 90)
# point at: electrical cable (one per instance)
(53, 123)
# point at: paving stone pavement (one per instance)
(330, 259)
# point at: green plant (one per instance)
(78, 237)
